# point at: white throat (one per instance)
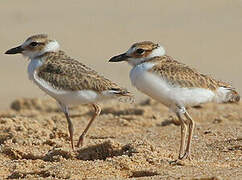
(160, 51)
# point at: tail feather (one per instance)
(227, 95)
(124, 95)
(121, 92)
(233, 96)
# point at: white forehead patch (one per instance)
(26, 43)
(131, 50)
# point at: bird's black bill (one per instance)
(15, 50)
(121, 57)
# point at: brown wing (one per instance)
(184, 76)
(65, 73)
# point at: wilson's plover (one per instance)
(65, 79)
(174, 84)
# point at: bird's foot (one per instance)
(80, 141)
(186, 155)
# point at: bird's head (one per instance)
(139, 53)
(35, 46)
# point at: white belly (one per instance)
(67, 97)
(159, 89)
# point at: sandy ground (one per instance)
(126, 141)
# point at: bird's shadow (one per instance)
(139, 174)
(104, 151)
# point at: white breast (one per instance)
(149, 83)
(158, 88)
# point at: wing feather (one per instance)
(179, 74)
(65, 73)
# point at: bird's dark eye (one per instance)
(140, 51)
(33, 44)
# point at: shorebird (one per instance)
(174, 84)
(65, 79)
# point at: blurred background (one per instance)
(206, 35)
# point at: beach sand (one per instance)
(126, 141)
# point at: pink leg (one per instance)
(190, 130)
(183, 135)
(97, 112)
(70, 128)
